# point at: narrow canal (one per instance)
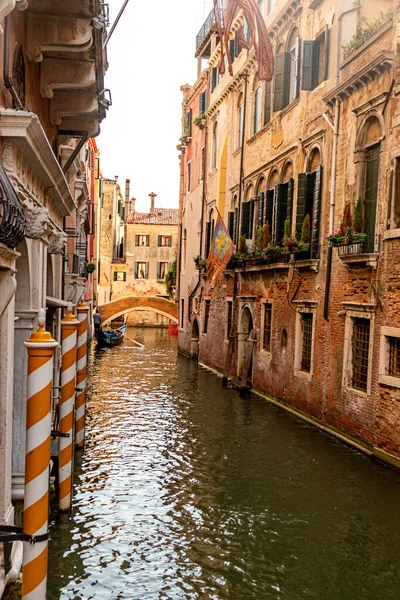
(188, 491)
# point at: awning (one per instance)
(56, 302)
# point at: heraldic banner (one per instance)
(221, 250)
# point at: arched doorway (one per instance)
(245, 327)
(194, 342)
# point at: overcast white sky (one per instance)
(150, 55)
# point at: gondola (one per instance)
(111, 337)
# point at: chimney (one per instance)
(152, 196)
(132, 205)
(127, 191)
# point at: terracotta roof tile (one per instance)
(162, 216)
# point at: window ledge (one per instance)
(302, 374)
(389, 380)
(310, 263)
(391, 234)
(256, 268)
(369, 259)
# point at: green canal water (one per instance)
(187, 491)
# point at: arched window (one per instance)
(214, 154)
(240, 120)
(256, 105)
(369, 144)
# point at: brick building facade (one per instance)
(321, 140)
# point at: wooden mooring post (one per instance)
(231, 348)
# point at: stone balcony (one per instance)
(67, 39)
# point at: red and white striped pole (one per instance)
(40, 348)
(82, 311)
(69, 326)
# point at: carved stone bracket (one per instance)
(51, 33)
(57, 243)
(37, 222)
(56, 74)
(72, 105)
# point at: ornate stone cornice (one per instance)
(196, 87)
(234, 83)
(284, 19)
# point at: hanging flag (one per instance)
(221, 250)
(224, 13)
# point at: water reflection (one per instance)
(186, 490)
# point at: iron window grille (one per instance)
(394, 357)
(267, 326)
(360, 353)
(206, 315)
(306, 327)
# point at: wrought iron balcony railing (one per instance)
(12, 218)
(206, 28)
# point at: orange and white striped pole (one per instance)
(40, 348)
(82, 311)
(69, 326)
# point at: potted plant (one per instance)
(90, 267)
(199, 262)
(200, 121)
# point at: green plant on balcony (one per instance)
(200, 262)
(351, 227)
(200, 121)
(90, 267)
(364, 31)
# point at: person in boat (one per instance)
(97, 323)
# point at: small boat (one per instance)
(111, 337)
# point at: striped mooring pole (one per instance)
(82, 311)
(40, 348)
(69, 326)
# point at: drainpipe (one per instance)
(8, 82)
(244, 76)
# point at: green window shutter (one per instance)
(159, 241)
(235, 219)
(147, 240)
(290, 189)
(232, 49)
(296, 86)
(316, 217)
(274, 227)
(136, 270)
(136, 240)
(245, 218)
(115, 275)
(282, 194)
(326, 52)
(124, 275)
(146, 273)
(231, 218)
(251, 219)
(267, 102)
(208, 237)
(269, 202)
(213, 78)
(371, 196)
(301, 202)
(170, 241)
(282, 81)
(261, 210)
(307, 79)
(201, 108)
(158, 270)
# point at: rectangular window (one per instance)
(165, 240)
(119, 275)
(142, 270)
(247, 219)
(306, 345)
(189, 174)
(360, 353)
(187, 128)
(206, 315)
(267, 327)
(229, 317)
(182, 312)
(142, 240)
(394, 356)
(214, 78)
(203, 102)
(162, 268)
(315, 61)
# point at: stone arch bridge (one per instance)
(119, 306)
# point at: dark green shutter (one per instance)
(232, 50)
(208, 237)
(170, 241)
(316, 217)
(281, 81)
(261, 210)
(235, 218)
(124, 276)
(371, 196)
(296, 86)
(159, 240)
(146, 273)
(158, 270)
(213, 78)
(267, 102)
(275, 221)
(281, 199)
(115, 275)
(136, 240)
(269, 201)
(290, 189)
(251, 220)
(231, 217)
(301, 202)
(307, 78)
(245, 218)
(326, 52)
(136, 270)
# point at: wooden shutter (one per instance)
(159, 240)
(326, 52)
(289, 211)
(208, 237)
(115, 275)
(232, 49)
(158, 270)
(281, 211)
(316, 217)
(136, 240)
(371, 196)
(267, 102)
(124, 275)
(136, 270)
(245, 218)
(231, 218)
(305, 199)
(269, 201)
(261, 210)
(251, 220)
(274, 226)
(235, 218)
(170, 241)
(146, 273)
(213, 78)
(296, 86)
(147, 240)
(307, 79)
(282, 81)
